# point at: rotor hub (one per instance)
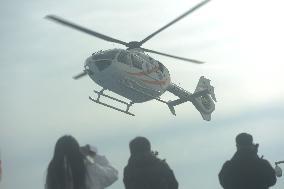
(133, 44)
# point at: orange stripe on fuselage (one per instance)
(143, 73)
(155, 82)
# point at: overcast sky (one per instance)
(240, 41)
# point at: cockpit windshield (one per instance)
(110, 54)
(123, 57)
(103, 64)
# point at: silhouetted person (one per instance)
(71, 169)
(144, 170)
(246, 170)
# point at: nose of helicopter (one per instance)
(89, 64)
(97, 65)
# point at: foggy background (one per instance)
(240, 41)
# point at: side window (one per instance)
(148, 67)
(136, 62)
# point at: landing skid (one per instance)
(100, 93)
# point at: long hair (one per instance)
(66, 170)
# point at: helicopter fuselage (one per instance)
(138, 77)
(129, 73)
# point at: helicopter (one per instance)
(136, 76)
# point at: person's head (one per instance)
(139, 145)
(67, 165)
(245, 140)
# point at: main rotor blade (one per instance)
(174, 21)
(172, 56)
(78, 76)
(85, 30)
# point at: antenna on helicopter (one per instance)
(132, 44)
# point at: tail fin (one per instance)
(204, 103)
(201, 98)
